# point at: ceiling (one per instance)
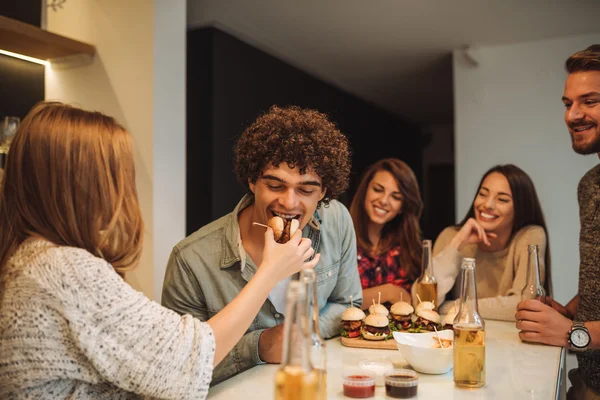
(394, 53)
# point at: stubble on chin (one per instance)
(592, 147)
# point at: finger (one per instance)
(524, 315)
(482, 235)
(312, 263)
(529, 326)
(296, 237)
(269, 235)
(308, 253)
(530, 336)
(532, 305)
(305, 244)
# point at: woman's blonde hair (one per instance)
(70, 178)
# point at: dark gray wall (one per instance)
(230, 83)
(21, 82)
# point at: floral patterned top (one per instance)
(385, 268)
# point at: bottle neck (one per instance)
(533, 288)
(469, 311)
(296, 329)
(427, 263)
(533, 269)
(313, 309)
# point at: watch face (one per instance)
(580, 338)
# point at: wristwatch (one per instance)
(579, 336)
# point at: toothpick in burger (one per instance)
(424, 305)
(400, 313)
(283, 228)
(352, 320)
(375, 327)
(378, 308)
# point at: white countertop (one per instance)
(514, 370)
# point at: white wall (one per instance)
(508, 109)
(169, 132)
(138, 77)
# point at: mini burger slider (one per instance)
(375, 327)
(449, 318)
(400, 313)
(426, 320)
(352, 321)
(283, 228)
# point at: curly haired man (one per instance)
(294, 163)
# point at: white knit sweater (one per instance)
(71, 328)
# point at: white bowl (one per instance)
(417, 350)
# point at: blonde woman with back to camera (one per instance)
(70, 227)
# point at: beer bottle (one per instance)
(317, 347)
(469, 333)
(426, 284)
(296, 378)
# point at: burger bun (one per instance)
(376, 320)
(276, 223)
(402, 308)
(429, 315)
(378, 309)
(353, 314)
(424, 305)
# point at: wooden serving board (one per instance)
(389, 344)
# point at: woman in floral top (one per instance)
(386, 210)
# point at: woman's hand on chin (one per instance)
(471, 233)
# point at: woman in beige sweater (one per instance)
(70, 224)
(503, 220)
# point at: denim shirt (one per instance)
(205, 273)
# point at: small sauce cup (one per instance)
(359, 383)
(401, 384)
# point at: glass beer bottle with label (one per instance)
(296, 379)
(316, 344)
(533, 288)
(426, 284)
(469, 333)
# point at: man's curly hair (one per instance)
(302, 138)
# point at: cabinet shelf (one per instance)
(29, 40)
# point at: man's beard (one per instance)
(591, 147)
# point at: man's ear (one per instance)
(323, 193)
(251, 185)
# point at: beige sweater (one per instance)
(500, 275)
(71, 328)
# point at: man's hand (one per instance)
(558, 307)
(270, 344)
(540, 323)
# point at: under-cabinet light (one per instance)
(26, 58)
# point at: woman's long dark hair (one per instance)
(527, 208)
(404, 229)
